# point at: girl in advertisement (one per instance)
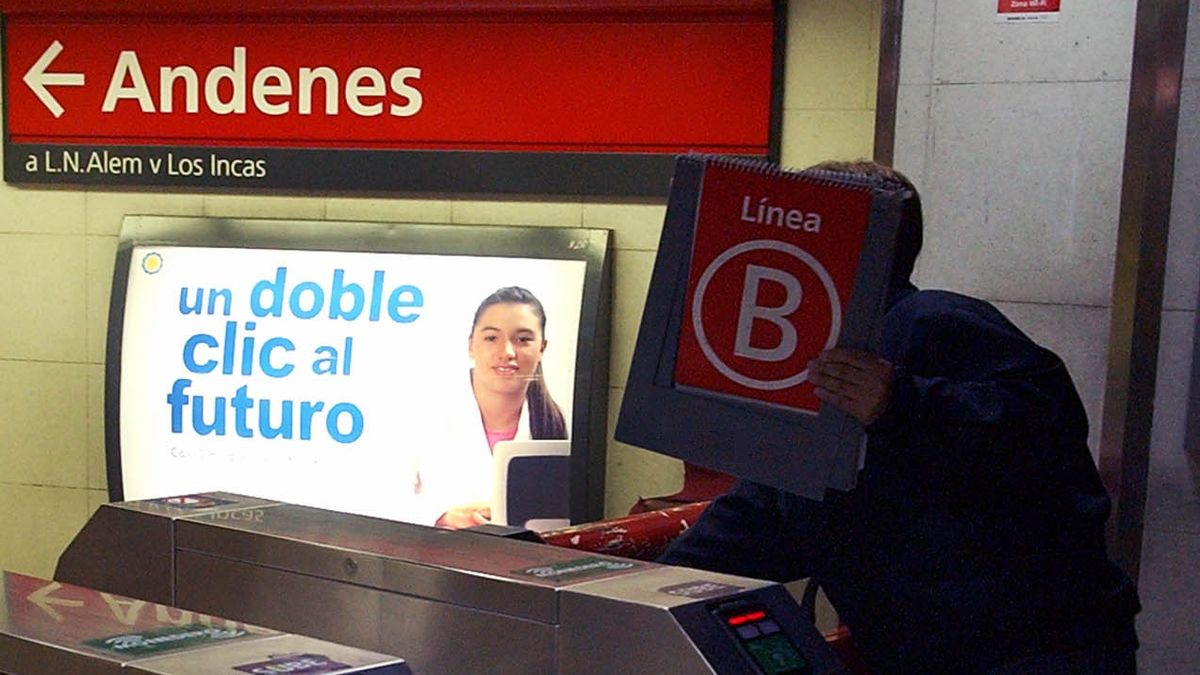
(508, 400)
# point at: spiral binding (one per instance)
(823, 177)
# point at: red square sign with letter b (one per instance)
(773, 266)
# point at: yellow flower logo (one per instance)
(152, 263)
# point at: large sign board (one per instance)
(758, 271)
(439, 103)
(340, 372)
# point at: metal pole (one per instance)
(888, 81)
(1146, 186)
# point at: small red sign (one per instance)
(1007, 6)
(1027, 10)
(774, 261)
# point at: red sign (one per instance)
(773, 266)
(1009, 6)
(1016, 11)
(567, 85)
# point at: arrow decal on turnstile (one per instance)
(37, 79)
(41, 598)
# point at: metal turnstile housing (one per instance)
(51, 628)
(449, 601)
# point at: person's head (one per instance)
(912, 221)
(506, 344)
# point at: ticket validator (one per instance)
(447, 601)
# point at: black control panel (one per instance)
(761, 638)
(757, 632)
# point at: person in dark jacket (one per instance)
(973, 541)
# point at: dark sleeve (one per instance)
(751, 531)
(973, 394)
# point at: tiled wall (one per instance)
(56, 255)
(1015, 133)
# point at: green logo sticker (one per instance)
(574, 569)
(165, 639)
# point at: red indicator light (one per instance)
(739, 619)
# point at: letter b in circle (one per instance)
(750, 310)
(776, 317)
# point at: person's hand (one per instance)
(467, 515)
(858, 383)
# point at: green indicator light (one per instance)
(776, 655)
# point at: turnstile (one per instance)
(450, 602)
(50, 628)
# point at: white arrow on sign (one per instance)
(38, 79)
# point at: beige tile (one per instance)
(378, 209)
(105, 210)
(829, 74)
(554, 214)
(97, 477)
(95, 499)
(38, 524)
(101, 256)
(874, 14)
(41, 211)
(632, 472)
(631, 280)
(43, 426)
(827, 619)
(634, 226)
(814, 136)
(849, 21)
(42, 308)
(258, 206)
(873, 59)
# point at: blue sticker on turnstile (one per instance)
(700, 589)
(309, 664)
(192, 501)
(574, 569)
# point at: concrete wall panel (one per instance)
(1090, 41)
(1022, 190)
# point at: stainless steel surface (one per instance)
(443, 565)
(647, 588)
(462, 639)
(1146, 187)
(290, 653)
(602, 622)
(451, 602)
(140, 566)
(343, 613)
(51, 628)
(604, 636)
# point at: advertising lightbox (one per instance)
(340, 365)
